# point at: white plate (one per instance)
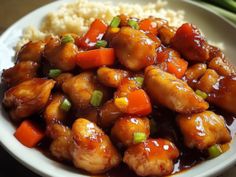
(216, 29)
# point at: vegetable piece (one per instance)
(96, 98)
(28, 134)
(139, 81)
(115, 22)
(67, 38)
(133, 24)
(139, 137)
(121, 103)
(139, 103)
(201, 94)
(54, 73)
(172, 62)
(101, 43)
(65, 105)
(95, 58)
(214, 151)
(148, 25)
(96, 31)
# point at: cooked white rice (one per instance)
(75, 17)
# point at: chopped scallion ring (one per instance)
(139, 137)
(101, 43)
(214, 151)
(96, 98)
(67, 38)
(139, 81)
(201, 94)
(133, 24)
(54, 73)
(65, 105)
(115, 22)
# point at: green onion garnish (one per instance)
(67, 38)
(101, 43)
(96, 98)
(115, 22)
(54, 73)
(133, 24)
(214, 151)
(65, 105)
(201, 94)
(139, 81)
(139, 137)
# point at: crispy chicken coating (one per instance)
(154, 157)
(32, 51)
(203, 130)
(133, 48)
(165, 89)
(92, 149)
(125, 127)
(28, 97)
(22, 71)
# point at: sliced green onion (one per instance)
(214, 151)
(139, 137)
(133, 24)
(67, 38)
(201, 94)
(101, 43)
(96, 98)
(115, 22)
(54, 73)
(65, 105)
(139, 81)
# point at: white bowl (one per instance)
(214, 27)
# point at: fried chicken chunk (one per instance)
(92, 149)
(22, 71)
(60, 55)
(125, 127)
(203, 130)
(167, 90)
(32, 51)
(80, 89)
(133, 48)
(28, 97)
(154, 157)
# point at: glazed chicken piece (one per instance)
(166, 34)
(133, 48)
(60, 55)
(108, 114)
(124, 129)
(80, 88)
(154, 157)
(92, 149)
(32, 51)
(165, 89)
(62, 78)
(53, 112)
(222, 66)
(224, 94)
(193, 73)
(190, 43)
(111, 77)
(28, 97)
(22, 71)
(61, 141)
(207, 81)
(203, 130)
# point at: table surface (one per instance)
(8, 165)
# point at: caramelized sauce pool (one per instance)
(188, 157)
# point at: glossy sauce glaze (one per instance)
(166, 129)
